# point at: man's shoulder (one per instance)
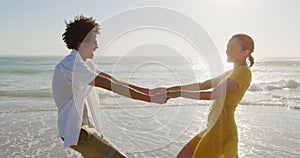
(67, 62)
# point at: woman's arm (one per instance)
(226, 87)
(127, 91)
(208, 84)
(190, 95)
(192, 87)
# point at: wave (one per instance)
(27, 110)
(280, 62)
(47, 92)
(262, 103)
(289, 105)
(282, 84)
(294, 106)
(27, 93)
(23, 71)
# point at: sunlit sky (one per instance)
(34, 27)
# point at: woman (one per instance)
(220, 138)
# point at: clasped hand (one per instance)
(161, 95)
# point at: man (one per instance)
(73, 81)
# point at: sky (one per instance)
(34, 27)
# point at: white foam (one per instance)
(293, 105)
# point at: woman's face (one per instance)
(235, 52)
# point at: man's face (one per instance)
(88, 47)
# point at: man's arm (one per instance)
(125, 90)
(137, 88)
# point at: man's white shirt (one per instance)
(71, 91)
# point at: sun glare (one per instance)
(228, 3)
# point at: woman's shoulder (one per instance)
(242, 69)
(241, 75)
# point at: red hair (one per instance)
(247, 43)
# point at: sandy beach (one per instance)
(263, 132)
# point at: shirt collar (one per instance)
(75, 53)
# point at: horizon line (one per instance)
(44, 55)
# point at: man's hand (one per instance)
(157, 90)
(159, 98)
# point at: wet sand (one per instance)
(264, 131)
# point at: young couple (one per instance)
(75, 77)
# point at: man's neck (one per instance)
(81, 55)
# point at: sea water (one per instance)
(275, 82)
(28, 112)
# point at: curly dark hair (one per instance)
(77, 31)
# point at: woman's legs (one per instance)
(188, 150)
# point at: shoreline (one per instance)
(53, 108)
(262, 130)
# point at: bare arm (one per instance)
(208, 84)
(192, 87)
(219, 91)
(140, 89)
(124, 90)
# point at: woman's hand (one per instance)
(173, 94)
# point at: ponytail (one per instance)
(251, 60)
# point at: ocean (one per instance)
(267, 118)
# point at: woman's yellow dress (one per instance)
(220, 138)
